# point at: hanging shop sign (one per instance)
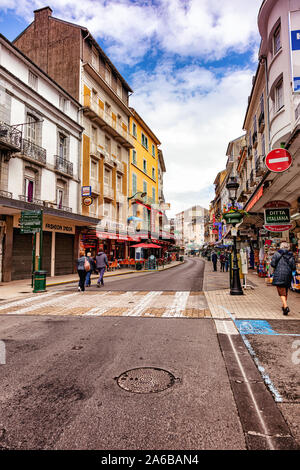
(86, 191)
(277, 216)
(87, 201)
(278, 160)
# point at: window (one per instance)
(107, 75)
(145, 166)
(153, 194)
(254, 125)
(94, 135)
(276, 41)
(94, 170)
(153, 173)
(59, 198)
(145, 187)
(119, 153)
(153, 150)
(31, 133)
(29, 189)
(279, 96)
(32, 80)
(145, 141)
(107, 144)
(134, 183)
(134, 131)
(62, 146)
(119, 183)
(262, 104)
(134, 157)
(107, 177)
(95, 59)
(119, 89)
(107, 209)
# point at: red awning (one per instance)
(145, 245)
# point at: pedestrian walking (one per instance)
(214, 259)
(82, 267)
(284, 265)
(222, 261)
(101, 264)
(89, 273)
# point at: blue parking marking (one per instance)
(254, 327)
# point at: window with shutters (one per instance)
(134, 183)
(134, 161)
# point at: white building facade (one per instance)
(40, 142)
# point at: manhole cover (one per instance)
(146, 380)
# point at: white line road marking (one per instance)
(139, 308)
(38, 306)
(27, 300)
(178, 305)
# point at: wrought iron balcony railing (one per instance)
(33, 151)
(5, 194)
(10, 137)
(63, 165)
(31, 199)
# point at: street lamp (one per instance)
(139, 192)
(235, 289)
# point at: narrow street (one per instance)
(189, 380)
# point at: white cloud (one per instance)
(194, 123)
(199, 28)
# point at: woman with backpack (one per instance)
(83, 266)
(284, 264)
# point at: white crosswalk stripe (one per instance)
(141, 306)
(31, 308)
(177, 307)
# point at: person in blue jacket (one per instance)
(284, 265)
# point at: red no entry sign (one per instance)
(278, 160)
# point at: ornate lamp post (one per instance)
(233, 218)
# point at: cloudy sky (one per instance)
(190, 64)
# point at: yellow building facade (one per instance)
(143, 174)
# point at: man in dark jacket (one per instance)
(284, 264)
(101, 263)
(214, 259)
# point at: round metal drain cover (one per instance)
(146, 380)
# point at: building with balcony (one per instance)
(274, 102)
(145, 159)
(77, 62)
(39, 167)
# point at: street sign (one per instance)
(278, 160)
(86, 191)
(31, 221)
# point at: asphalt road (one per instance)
(61, 386)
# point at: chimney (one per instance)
(42, 13)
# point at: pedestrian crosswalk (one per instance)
(156, 304)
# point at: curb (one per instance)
(117, 274)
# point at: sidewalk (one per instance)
(262, 302)
(17, 289)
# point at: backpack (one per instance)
(87, 265)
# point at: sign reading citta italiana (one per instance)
(295, 48)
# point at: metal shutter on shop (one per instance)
(22, 256)
(46, 258)
(64, 252)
